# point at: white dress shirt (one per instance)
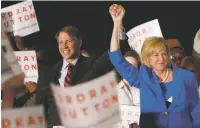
(64, 71)
(127, 97)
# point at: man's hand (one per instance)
(117, 13)
(31, 86)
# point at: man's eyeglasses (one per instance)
(176, 58)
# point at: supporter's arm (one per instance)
(30, 90)
(102, 64)
(126, 70)
(10, 87)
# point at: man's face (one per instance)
(177, 56)
(176, 59)
(68, 47)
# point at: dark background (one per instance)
(179, 20)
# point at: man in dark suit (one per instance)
(84, 69)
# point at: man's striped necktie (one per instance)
(68, 78)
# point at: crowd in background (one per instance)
(78, 66)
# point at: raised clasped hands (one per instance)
(117, 13)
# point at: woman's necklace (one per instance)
(166, 76)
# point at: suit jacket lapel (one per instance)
(77, 70)
(56, 70)
(80, 59)
(154, 86)
(156, 89)
(177, 88)
(175, 97)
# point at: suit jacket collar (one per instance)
(177, 79)
(156, 88)
(58, 67)
(65, 63)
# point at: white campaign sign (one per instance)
(138, 34)
(128, 115)
(93, 104)
(28, 63)
(29, 117)
(20, 19)
(9, 64)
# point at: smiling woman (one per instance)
(155, 54)
(166, 95)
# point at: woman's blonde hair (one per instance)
(150, 46)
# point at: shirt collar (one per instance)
(121, 84)
(65, 63)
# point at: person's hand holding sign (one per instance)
(31, 86)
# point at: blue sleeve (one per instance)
(193, 101)
(192, 92)
(196, 116)
(125, 69)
